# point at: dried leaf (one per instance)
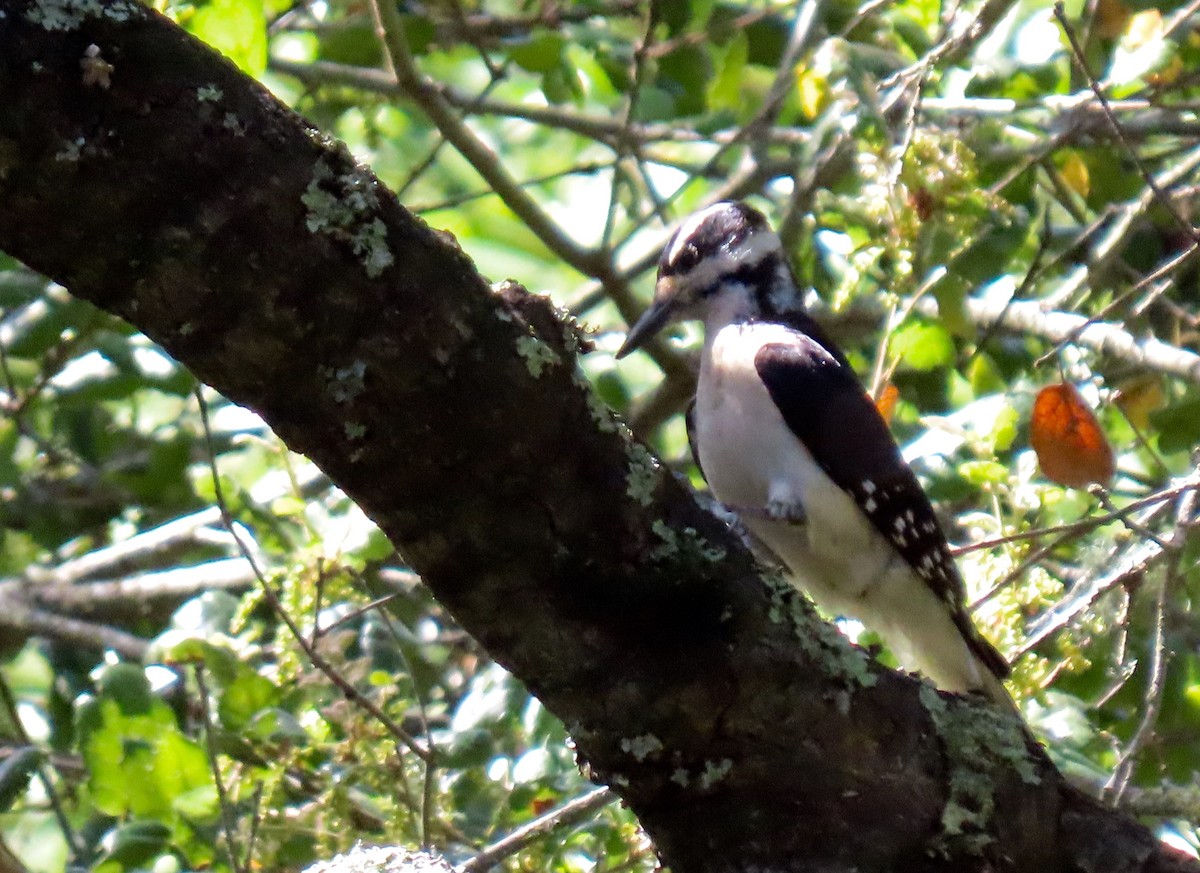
(889, 394)
(1071, 446)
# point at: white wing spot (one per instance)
(868, 486)
(870, 505)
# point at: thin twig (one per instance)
(1081, 61)
(15, 615)
(390, 27)
(1083, 525)
(228, 822)
(1159, 658)
(567, 814)
(429, 778)
(1126, 518)
(315, 658)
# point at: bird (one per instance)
(786, 436)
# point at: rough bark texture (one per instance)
(743, 732)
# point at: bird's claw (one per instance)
(785, 511)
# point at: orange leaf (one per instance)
(886, 401)
(1071, 448)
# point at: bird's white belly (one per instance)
(751, 458)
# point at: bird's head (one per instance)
(724, 261)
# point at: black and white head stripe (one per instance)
(723, 240)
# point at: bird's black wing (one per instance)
(824, 404)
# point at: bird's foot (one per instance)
(786, 511)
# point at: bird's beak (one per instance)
(653, 319)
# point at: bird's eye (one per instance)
(686, 259)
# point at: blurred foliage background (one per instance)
(209, 659)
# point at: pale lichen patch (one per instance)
(71, 14)
(536, 354)
(714, 772)
(643, 474)
(981, 744)
(345, 383)
(819, 640)
(209, 93)
(641, 747)
(687, 543)
(71, 151)
(572, 329)
(597, 408)
(344, 206)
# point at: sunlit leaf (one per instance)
(1141, 49)
(1139, 397)
(1074, 171)
(922, 346)
(812, 92)
(1071, 447)
(237, 29)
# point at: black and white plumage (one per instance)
(785, 434)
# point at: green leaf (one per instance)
(990, 254)
(984, 376)
(1178, 425)
(726, 89)
(244, 697)
(684, 73)
(562, 85)
(19, 287)
(980, 473)
(767, 39)
(541, 54)
(137, 842)
(351, 44)
(923, 346)
(419, 31)
(235, 28)
(127, 686)
(950, 291)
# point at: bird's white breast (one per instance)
(751, 457)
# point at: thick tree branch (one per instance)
(745, 733)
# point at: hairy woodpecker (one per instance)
(786, 436)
